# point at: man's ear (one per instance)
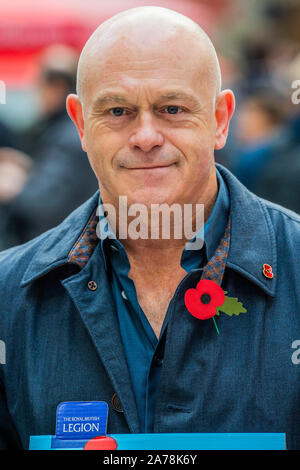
(74, 108)
(225, 104)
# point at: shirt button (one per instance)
(116, 404)
(124, 295)
(92, 285)
(158, 361)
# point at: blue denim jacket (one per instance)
(63, 340)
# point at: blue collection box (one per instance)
(80, 422)
(172, 441)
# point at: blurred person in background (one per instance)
(260, 133)
(264, 147)
(280, 180)
(14, 168)
(7, 137)
(38, 190)
(267, 154)
(293, 77)
(263, 150)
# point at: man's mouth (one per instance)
(150, 167)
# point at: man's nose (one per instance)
(146, 135)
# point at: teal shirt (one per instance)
(139, 340)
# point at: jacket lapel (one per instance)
(98, 313)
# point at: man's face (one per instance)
(149, 123)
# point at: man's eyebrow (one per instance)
(109, 98)
(180, 95)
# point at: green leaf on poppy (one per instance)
(231, 306)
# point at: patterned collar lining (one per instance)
(83, 249)
(214, 269)
(86, 243)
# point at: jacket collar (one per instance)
(252, 238)
(252, 242)
(72, 241)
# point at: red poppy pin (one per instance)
(267, 271)
(208, 299)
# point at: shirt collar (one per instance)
(107, 236)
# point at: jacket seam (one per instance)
(271, 232)
(283, 213)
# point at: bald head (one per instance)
(147, 31)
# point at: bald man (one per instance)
(196, 333)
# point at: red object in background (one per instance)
(101, 443)
(27, 27)
(203, 301)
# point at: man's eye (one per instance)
(172, 109)
(117, 112)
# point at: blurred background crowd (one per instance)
(44, 174)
